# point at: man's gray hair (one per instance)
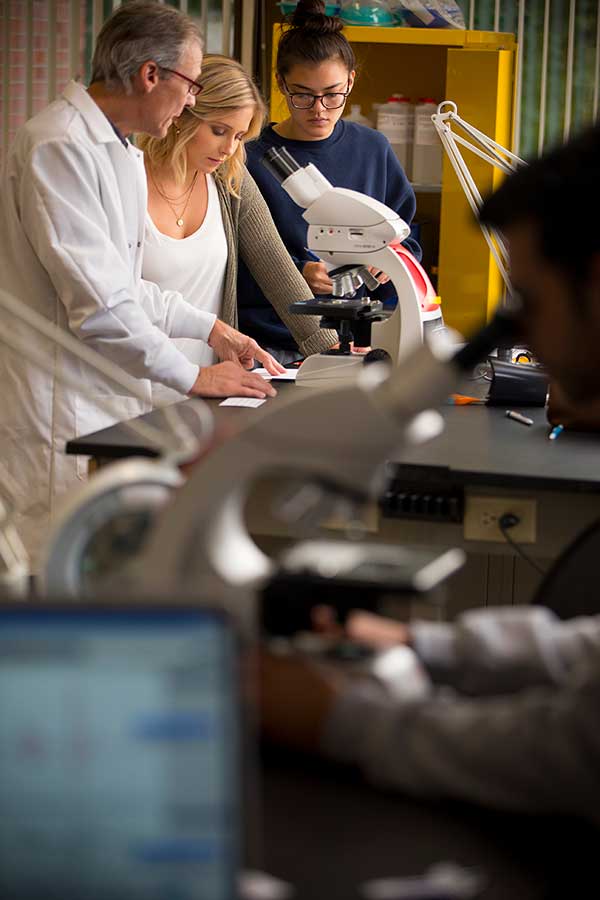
(138, 31)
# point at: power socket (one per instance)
(482, 514)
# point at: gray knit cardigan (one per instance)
(251, 232)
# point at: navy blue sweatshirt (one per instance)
(354, 156)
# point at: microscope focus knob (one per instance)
(377, 355)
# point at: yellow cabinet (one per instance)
(476, 70)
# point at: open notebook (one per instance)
(119, 754)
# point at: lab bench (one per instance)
(434, 488)
(331, 835)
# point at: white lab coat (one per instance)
(73, 205)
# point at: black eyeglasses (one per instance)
(307, 101)
(194, 88)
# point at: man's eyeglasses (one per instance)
(194, 88)
(307, 101)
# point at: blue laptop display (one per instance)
(119, 753)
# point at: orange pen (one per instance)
(463, 400)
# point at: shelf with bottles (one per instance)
(412, 136)
(385, 26)
(447, 37)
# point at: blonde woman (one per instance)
(204, 208)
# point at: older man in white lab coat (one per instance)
(71, 237)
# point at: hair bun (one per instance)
(310, 15)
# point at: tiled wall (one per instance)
(41, 42)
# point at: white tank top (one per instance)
(195, 266)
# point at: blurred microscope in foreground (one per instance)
(137, 529)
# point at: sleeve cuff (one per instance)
(198, 324)
(320, 340)
(435, 644)
(183, 377)
(492, 650)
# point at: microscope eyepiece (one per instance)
(280, 163)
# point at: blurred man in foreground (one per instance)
(515, 725)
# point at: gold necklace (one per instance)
(188, 192)
(181, 196)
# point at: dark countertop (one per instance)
(478, 445)
(327, 832)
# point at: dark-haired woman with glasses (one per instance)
(315, 73)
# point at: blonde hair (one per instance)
(226, 87)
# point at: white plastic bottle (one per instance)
(427, 148)
(355, 115)
(395, 119)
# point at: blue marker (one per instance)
(555, 432)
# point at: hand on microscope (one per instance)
(375, 631)
(363, 628)
(298, 688)
(317, 277)
(381, 277)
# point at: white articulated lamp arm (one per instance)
(14, 559)
(175, 443)
(487, 149)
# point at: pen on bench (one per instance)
(518, 417)
(463, 400)
(555, 432)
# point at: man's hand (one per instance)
(362, 627)
(296, 696)
(316, 276)
(229, 379)
(232, 345)
(376, 631)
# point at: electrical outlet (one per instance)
(482, 514)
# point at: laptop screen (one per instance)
(118, 754)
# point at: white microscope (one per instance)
(349, 229)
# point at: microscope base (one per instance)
(324, 370)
